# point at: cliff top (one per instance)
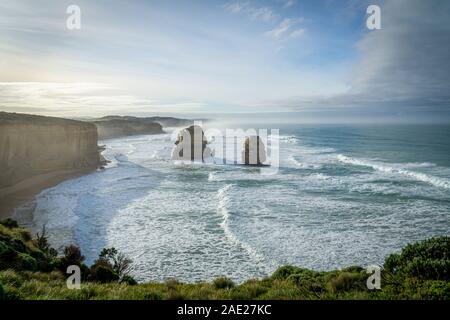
(20, 118)
(164, 121)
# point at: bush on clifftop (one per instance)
(426, 260)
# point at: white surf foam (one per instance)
(303, 165)
(222, 208)
(317, 150)
(212, 177)
(391, 168)
(286, 139)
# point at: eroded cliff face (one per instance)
(128, 126)
(33, 145)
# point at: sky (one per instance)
(305, 59)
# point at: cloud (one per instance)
(283, 28)
(235, 7)
(264, 14)
(402, 69)
(288, 3)
(170, 57)
(297, 33)
(81, 99)
(409, 56)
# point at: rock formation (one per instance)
(254, 152)
(191, 144)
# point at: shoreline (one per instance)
(26, 190)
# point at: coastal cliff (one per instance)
(115, 128)
(119, 126)
(164, 121)
(38, 152)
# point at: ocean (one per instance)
(343, 195)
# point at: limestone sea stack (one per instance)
(38, 152)
(254, 151)
(191, 145)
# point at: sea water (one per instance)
(342, 196)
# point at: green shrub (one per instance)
(110, 266)
(26, 262)
(2, 292)
(103, 274)
(426, 260)
(392, 263)
(26, 236)
(128, 280)
(11, 294)
(356, 269)
(116, 260)
(18, 245)
(9, 223)
(43, 262)
(7, 254)
(284, 272)
(19, 251)
(85, 272)
(434, 290)
(223, 283)
(72, 257)
(308, 282)
(347, 281)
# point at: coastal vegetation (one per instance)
(31, 269)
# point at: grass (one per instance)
(330, 285)
(29, 270)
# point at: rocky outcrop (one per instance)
(32, 146)
(126, 126)
(191, 145)
(254, 152)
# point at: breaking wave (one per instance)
(222, 209)
(435, 181)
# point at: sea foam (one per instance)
(390, 168)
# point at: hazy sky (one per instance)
(315, 58)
